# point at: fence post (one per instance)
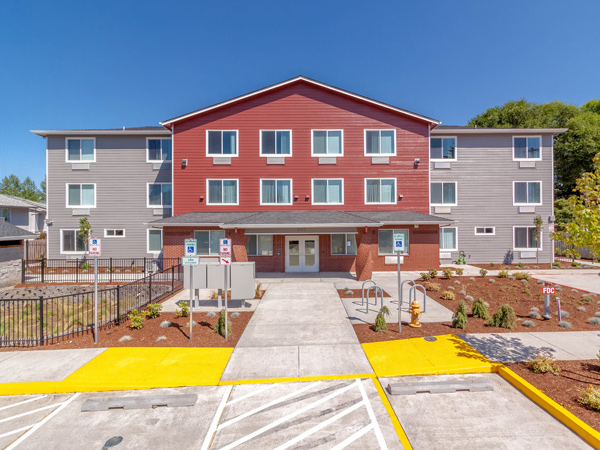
(111, 270)
(144, 269)
(172, 278)
(41, 320)
(149, 288)
(43, 266)
(23, 265)
(118, 304)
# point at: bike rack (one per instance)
(414, 289)
(377, 290)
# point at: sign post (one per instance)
(225, 259)
(547, 290)
(398, 248)
(190, 253)
(95, 250)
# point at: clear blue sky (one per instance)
(105, 64)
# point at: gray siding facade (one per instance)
(484, 171)
(120, 174)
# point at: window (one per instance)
(259, 245)
(154, 241)
(81, 150)
(275, 142)
(221, 143)
(159, 195)
(114, 233)
(222, 192)
(208, 242)
(71, 242)
(525, 238)
(328, 192)
(327, 142)
(527, 193)
(81, 195)
(380, 190)
(525, 148)
(443, 148)
(380, 142)
(485, 231)
(443, 194)
(448, 239)
(386, 242)
(5, 213)
(273, 192)
(159, 150)
(343, 244)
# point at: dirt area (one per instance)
(357, 293)
(564, 388)
(499, 266)
(366, 334)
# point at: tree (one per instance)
(85, 231)
(43, 188)
(12, 185)
(538, 222)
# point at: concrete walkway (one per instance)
(298, 330)
(584, 281)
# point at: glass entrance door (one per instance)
(302, 254)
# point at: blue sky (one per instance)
(106, 64)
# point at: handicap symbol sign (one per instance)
(190, 249)
(94, 241)
(399, 244)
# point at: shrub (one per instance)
(590, 397)
(85, 266)
(214, 295)
(472, 278)
(491, 280)
(220, 326)
(451, 288)
(447, 295)
(258, 291)
(519, 265)
(534, 315)
(380, 324)
(528, 324)
(492, 265)
(503, 274)
(564, 324)
(161, 338)
(456, 282)
(349, 292)
(425, 276)
(460, 271)
(459, 319)
(235, 315)
(540, 281)
(575, 264)
(556, 264)
(574, 291)
(136, 319)
(462, 292)
(469, 298)
(597, 313)
(581, 308)
(483, 272)
(521, 276)
(432, 273)
(564, 314)
(542, 363)
(594, 320)
(125, 339)
(510, 277)
(211, 314)
(165, 324)
(448, 273)
(433, 287)
(183, 310)
(504, 318)
(153, 310)
(480, 310)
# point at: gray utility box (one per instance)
(211, 275)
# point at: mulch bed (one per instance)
(564, 388)
(498, 266)
(366, 334)
(357, 293)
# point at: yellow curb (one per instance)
(296, 379)
(388, 407)
(587, 433)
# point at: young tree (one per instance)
(12, 185)
(85, 231)
(538, 222)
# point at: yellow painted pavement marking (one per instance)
(395, 422)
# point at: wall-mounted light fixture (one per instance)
(184, 162)
(202, 198)
(400, 196)
(307, 197)
(417, 161)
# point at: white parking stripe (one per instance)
(373, 418)
(43, 421)
(252, 394)
(18, 430)
(54, 405)
(23, 402)
(218, 413)
(320, 426)
(346, 442)
(289, 416)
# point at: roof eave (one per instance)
(46, 133)
(460, 130)
(229, 226)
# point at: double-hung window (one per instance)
(328, 192)
(222, 192)
(155, 238)
(159, 195)
(208, 242)
(159, 150)
(527, 148)
(380, 190)
(525, 239)
(386, 242)
(343, 244)
(443, 149)
(81, 150)
(275, 192)
(71, 242)
(380, 142)
(81, 195)
(259, 245)
(448, 239)
(527, 193)
(5, 214)
(275, 143)
(327, 143)
(443, 194)
(222, 143)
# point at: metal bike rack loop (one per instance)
(377, 290)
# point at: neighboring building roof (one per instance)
(18, 202)
(304, 79)
(456, 129)
(404, 218)
(9, 232)
(135, 131)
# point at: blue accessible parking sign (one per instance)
(190, 247)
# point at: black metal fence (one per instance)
(81, 270)
(29, 322)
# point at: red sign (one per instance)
(225, 260)
(549, 290)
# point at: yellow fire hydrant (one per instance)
(415, 311)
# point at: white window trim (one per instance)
(526, 159)
(380, 154)
(455, 193)
(257, 238)
(62, 252)
(393, 254)
(520, 249)
(106, 235)
(162, 244)
(209, 233)
(442, 159)
(345, 244)
(382, 203)
(312, 190)
(326, 155)
(8, 210)
(276, 180)
(157, 161)
(493, 233)
(67, 139)
(455, 249)
(221, 155)
(528, 204)
(148, 205)
(237, 180)
(81, 190)
(274, 155)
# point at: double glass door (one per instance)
(302, 254)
